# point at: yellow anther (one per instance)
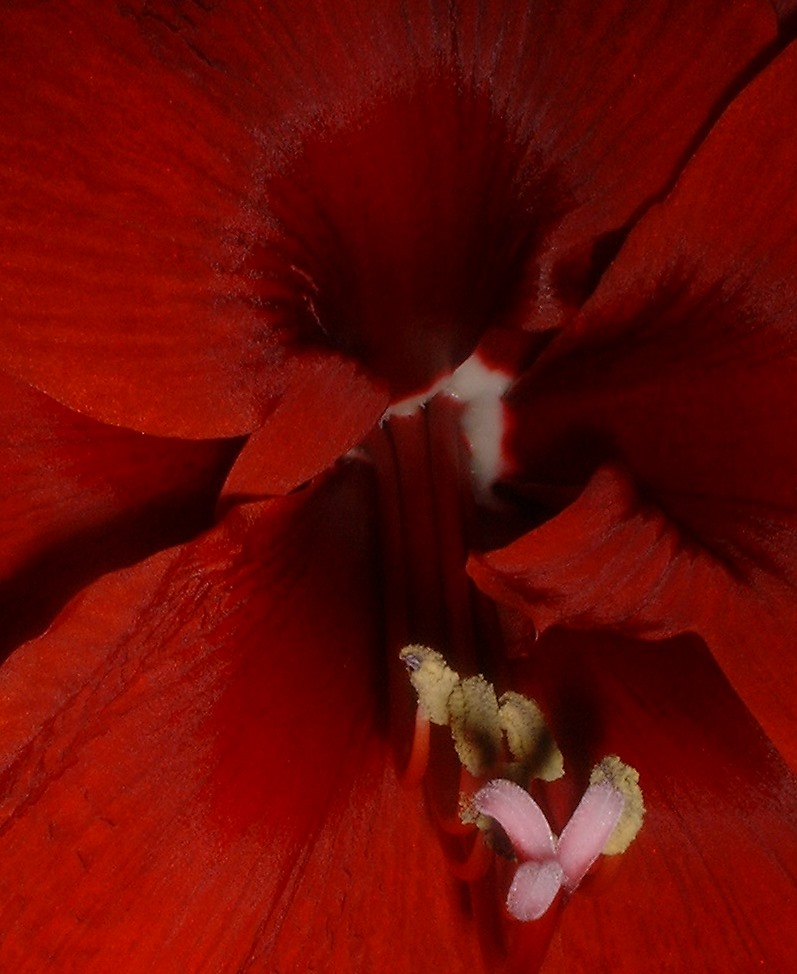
(626, 780)
(475, 725)
(528, 738)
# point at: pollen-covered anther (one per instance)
(432, 679)
(608, 815)
(475, 725)
(484, 731)
(626, 780)
(528, 738)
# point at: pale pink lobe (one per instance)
(519, 816)
(533, 889)
(586, 834)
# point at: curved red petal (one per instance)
(320, 418)
(194, 189)
(174, 744)
(611, 561)
(124, 215)
(709, 883)
(376, 893)
(79, 498)
(682, 369)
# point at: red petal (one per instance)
(321, 417)
(611, 561)
(376, 894)
(172, 746)
(786, 10)
(125, 186)
(683, 369)
(709, 883)
(79, 498)
(192, 189)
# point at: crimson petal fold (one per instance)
(79, 498)
(195, 192)
(173, 744)
(679, 375)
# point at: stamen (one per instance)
(475, 725)
(418, 761)
(626, 780)
(478, 724)
(530, 742)
(432, 679)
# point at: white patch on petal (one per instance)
(411, 405)
(480, 389)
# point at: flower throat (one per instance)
(480, 756)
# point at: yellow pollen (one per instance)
(626, 780)
(529, 740)
(432, 679)
(485, 733)
(475, 725)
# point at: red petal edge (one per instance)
(195, 191)
(681, 372)
(323, 415)
(78, 498)
(612, 562)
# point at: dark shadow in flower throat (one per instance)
(400, 235)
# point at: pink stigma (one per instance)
(519, 816)
(586, 834)
(547, 864)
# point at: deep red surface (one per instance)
(194, 192)
(253, 218)
(682, 371)
(78, 498)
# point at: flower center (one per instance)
(478, 754)
(436, 457)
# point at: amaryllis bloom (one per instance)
(332, 328)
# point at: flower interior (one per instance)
(507, 743)
(415, 256)
(460, 300)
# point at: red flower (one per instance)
(276, 221)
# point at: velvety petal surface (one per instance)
(318, 420)
(709, 883)
(172, 747)
(129, 208)
(376, 893)
(195, 191)
(681, 372)
(786, 11)
(194, 774)
(78, 498)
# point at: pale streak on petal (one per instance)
(482, 388)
